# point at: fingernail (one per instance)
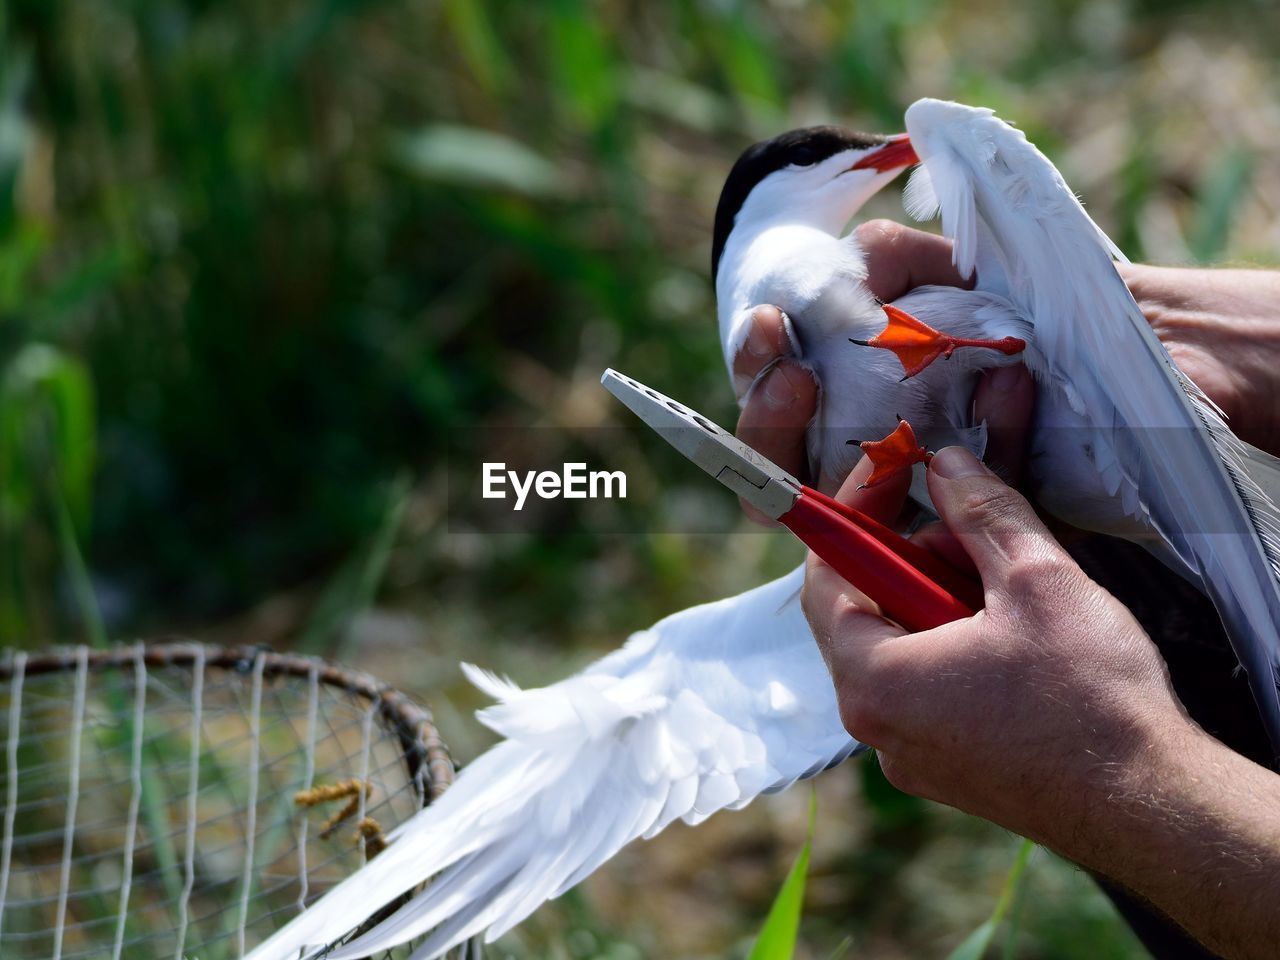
(956, 463)
(758, 342)
(789, 335)
(1006, 379)
(779, 392)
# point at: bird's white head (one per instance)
(818, 176)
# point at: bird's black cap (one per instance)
(802, 148)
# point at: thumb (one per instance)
(993, 522)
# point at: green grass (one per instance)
(777, 939)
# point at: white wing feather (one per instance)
(1165, 451)
(704, 711)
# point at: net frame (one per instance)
(386, 716)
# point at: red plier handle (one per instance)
(910, 584)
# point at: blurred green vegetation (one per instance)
(270, 271)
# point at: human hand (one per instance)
(1033, 713)
(779, 393)
(1050, 712)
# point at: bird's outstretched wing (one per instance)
(1162, 447)
(704, 711)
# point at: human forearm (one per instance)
(1192, 827)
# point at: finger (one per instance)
(994, 523)
(1004, 399)
(938, 540)
(900, 259)
(768, 339)
(845, 623)
(884, 501)
(773, 421)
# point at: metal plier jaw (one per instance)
(759, 481)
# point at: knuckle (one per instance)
(1039, 579)
(826, 613)
(821, 602)
(869, 709)
(873, 233)
(846, 615)
(993, 503)
(901, 776)
(862, 717)
(766, 313)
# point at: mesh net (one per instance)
(151, 795)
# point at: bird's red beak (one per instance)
(894, 155)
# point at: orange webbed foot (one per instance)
(895, 453)
(916, 344)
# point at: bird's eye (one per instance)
(803, 157)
